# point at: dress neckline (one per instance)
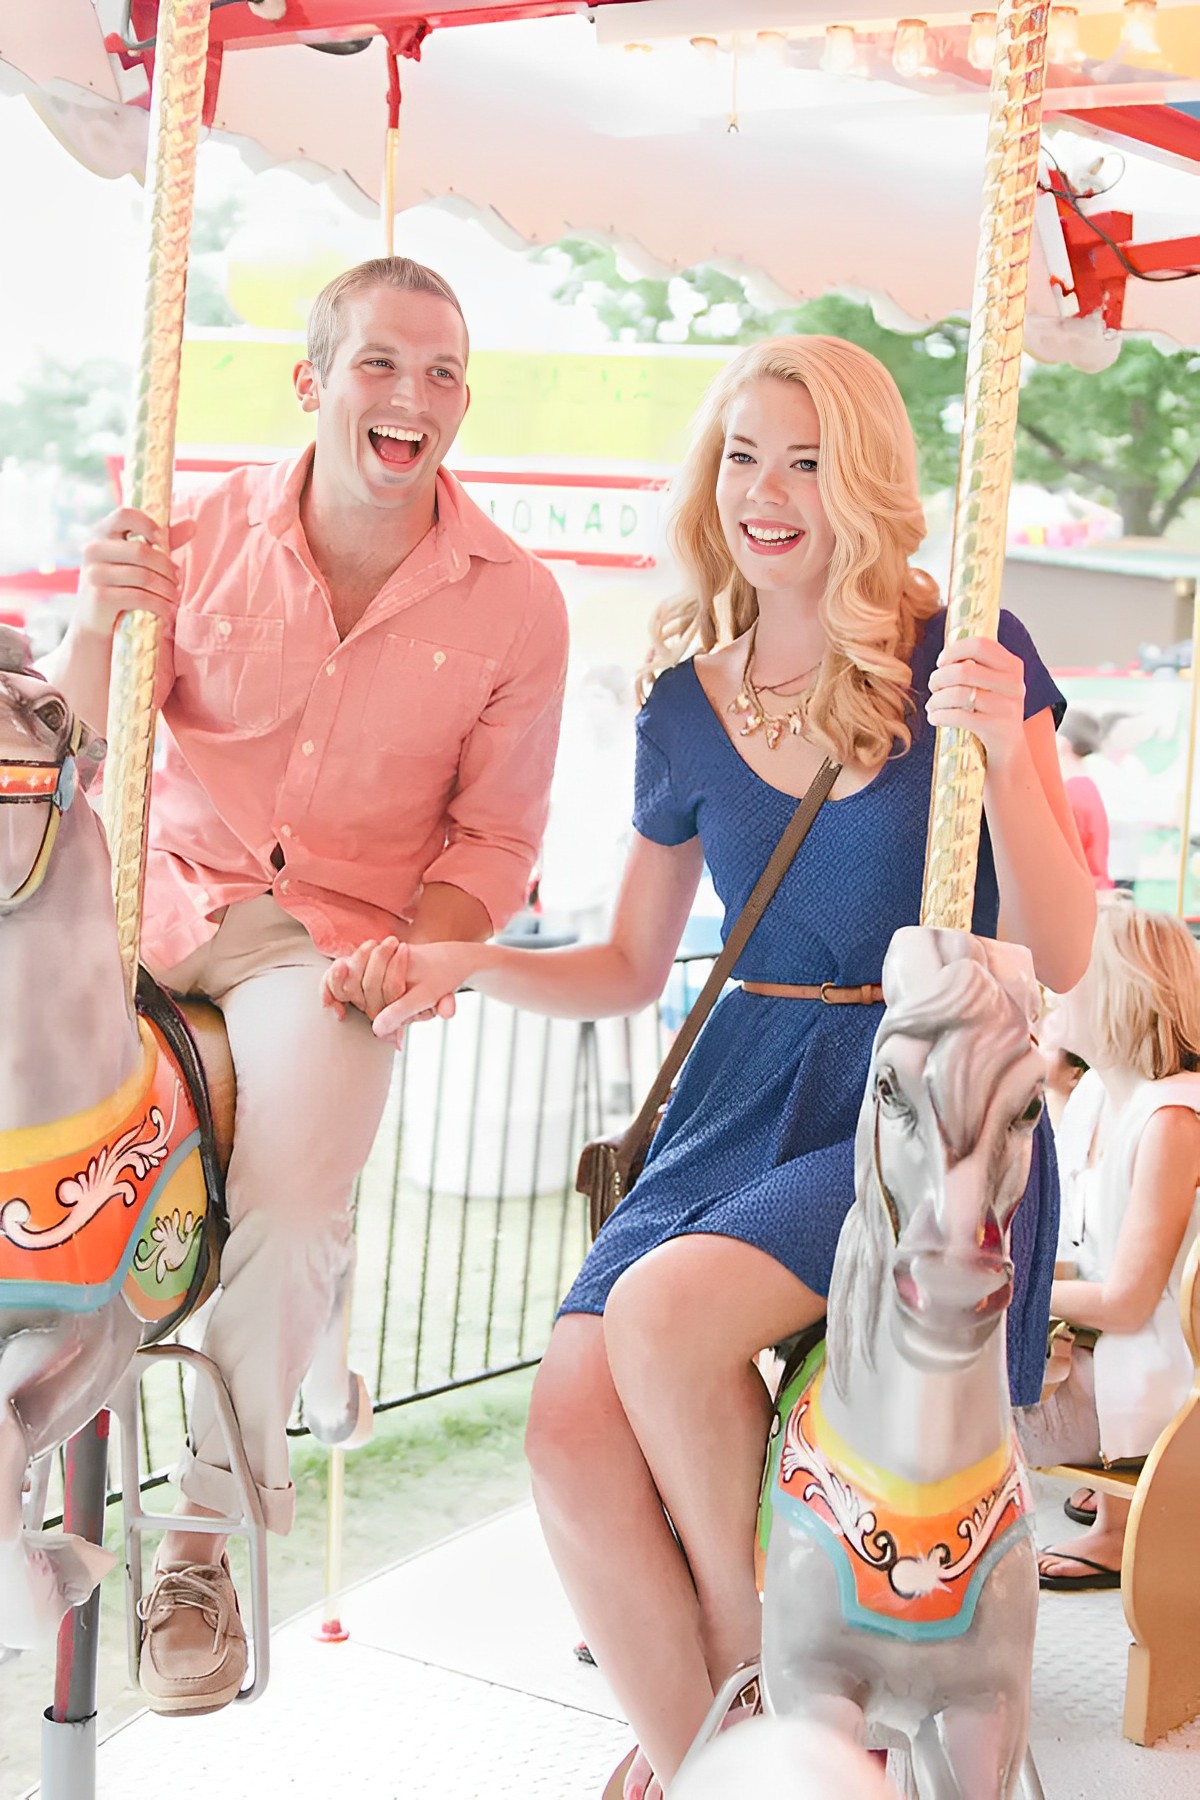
(869, 787)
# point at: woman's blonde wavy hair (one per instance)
(867, 479)
(1145, 994)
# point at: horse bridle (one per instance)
(32, 783)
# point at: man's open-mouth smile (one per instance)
(396, 445)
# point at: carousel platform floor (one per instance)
(458, 1683)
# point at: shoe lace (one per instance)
(198, 1587)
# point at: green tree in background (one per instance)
(1128, 437)
(69, 415)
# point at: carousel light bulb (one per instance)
(705, 47)
(910, 51)
(772, 43)
(981, 41)
(1063, 46)
(1140, 29)
(840, 55)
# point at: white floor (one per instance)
(458, 1683)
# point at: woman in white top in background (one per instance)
(1129, 1163)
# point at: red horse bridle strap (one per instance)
(27, 783)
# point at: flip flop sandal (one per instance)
(614, 1787)
(1096, 1576)
(1081, 1515)
(582, 1654)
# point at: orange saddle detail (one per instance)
(108, 1200)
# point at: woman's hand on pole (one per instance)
(979, 686)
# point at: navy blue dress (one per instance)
(758, 1140)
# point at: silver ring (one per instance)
(972, 697)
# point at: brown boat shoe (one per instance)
(194, 1645)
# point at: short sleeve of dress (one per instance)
(660, 813)
(1041, 689)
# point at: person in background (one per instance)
(1079, 738)
(1129, 1162)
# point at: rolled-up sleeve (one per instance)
(497, 813)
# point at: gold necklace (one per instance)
(748, 704)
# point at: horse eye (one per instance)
(52, 714)
(890, 1094)
(1032, 1113)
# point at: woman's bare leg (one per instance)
(681, 1329)
(614, 1551)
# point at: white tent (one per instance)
(618, 125)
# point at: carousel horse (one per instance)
(111, 1164)
(898, 1571)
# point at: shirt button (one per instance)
(329, 669)
(308, 746)
(284, 886)
(224, 627)
(285, 831)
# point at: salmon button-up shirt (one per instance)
(418, 749)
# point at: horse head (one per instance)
(943, 1148)
(40, 742)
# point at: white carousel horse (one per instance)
(898, 1571)
(110, 1177)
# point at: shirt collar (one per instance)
(463, 530)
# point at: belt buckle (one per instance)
(825, 1000)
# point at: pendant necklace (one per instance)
(748, 704)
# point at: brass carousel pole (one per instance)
(989, 426)
(1185, 838)
(175, 110)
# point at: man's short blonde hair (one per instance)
(400, 272)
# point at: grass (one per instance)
(405, 1490)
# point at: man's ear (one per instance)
(307, 386)
(467, 392)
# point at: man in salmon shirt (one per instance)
(361, 681)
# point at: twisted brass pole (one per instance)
(989, 427)
(175, 109)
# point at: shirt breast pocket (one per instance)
(234, 667)
(425, 698)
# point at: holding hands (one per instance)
(979, 686)
(395, 983)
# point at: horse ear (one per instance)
(1012, 966)
(16, 657)
(914, 956)
(90, 756)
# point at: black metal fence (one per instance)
(469, 1229)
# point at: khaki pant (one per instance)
(310, 1095)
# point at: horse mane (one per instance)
(978, 1028)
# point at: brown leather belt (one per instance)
(869, 994)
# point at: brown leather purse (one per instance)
(608, 1167)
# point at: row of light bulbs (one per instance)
(910, 49)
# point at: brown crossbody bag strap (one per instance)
(635, 1141)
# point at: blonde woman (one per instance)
(797, 512)
(1129, 1157)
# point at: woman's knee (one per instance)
(573, 1406)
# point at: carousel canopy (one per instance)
(840, 150)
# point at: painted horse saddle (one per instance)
(127, 1197)
(910, 1559)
